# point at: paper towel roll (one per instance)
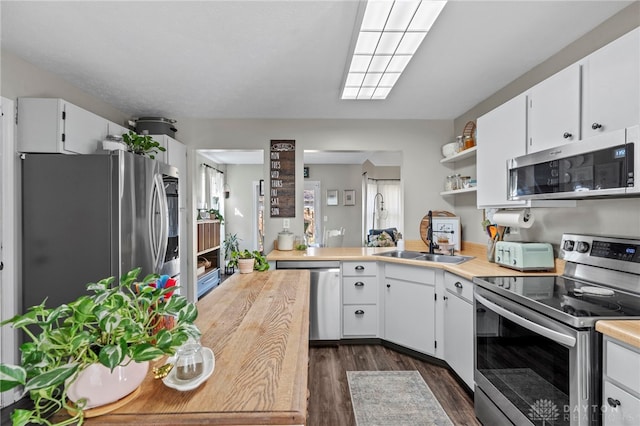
(514, 218)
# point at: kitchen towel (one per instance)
(514, 218)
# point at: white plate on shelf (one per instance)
(187, 385)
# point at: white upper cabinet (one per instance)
(554, 110)
(611, 86)
(177, 156)
(175, 151)
(56, 126)
(114, 129)
(502, 134)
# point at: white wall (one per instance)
(340, 177)
(23, 79)
(420, 141)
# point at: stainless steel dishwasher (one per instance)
(324, 310)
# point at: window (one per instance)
(384, 201)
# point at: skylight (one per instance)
(390, 34)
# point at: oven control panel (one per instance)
(609, 252)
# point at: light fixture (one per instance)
(390, 34)
(382, 213)
(226, 190)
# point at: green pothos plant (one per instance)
(260, 263)
(112, 325)
(142, 144)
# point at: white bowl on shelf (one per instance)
(449, 149)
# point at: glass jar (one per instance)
(448, 183)
(457, 182)
(459, 144)
(189, 362)
(465, 182)
(469, 142)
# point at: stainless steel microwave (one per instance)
(602, 165)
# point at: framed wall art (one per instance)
(332, 197)
(349, 197)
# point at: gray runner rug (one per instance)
(385, 398)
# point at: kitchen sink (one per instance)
(418, 255)
(401, 254)
(444, 258)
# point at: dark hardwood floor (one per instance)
(329, 399)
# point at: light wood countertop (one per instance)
(476, 267)
(627, 331)
(258, 328)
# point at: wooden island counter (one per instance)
(258, 328)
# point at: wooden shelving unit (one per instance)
(208, 249)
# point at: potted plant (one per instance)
(113, 325)
(230, 244)
(142, 144)
(247, 261)
(215, 214)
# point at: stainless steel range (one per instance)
(537, 354)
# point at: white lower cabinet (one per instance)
(458, 326)
(621, 384)
(359, 299)
(409, 307)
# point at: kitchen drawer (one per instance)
(622, 365)
(356, 269)
(458, 286)
(619, 407)
(359, 290)
(360, 320)
(415, 274)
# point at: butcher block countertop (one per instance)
(258, 328)
(476, 267)
(627, 331)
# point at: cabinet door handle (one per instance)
(359, 284)
(613, 402)
(596, 126)
(359, 268)
(445, 297)
(458, 284)
(567, 135)
(359, 312)
(388, 285)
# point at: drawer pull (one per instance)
(359, 284)
(613, 402)
(458, 284)
(359, 312)
(359, 268)
(388, 285)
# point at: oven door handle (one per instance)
(558, 337)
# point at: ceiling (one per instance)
(283, 59)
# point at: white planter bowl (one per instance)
(99, 386)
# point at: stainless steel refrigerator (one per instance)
(87, 217)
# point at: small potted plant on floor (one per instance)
(247, 261)
(142, 144)
(114, 325)
(230, 244)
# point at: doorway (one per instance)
(312, 213)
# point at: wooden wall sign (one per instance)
(282, 190)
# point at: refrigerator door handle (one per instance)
(159, 223)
